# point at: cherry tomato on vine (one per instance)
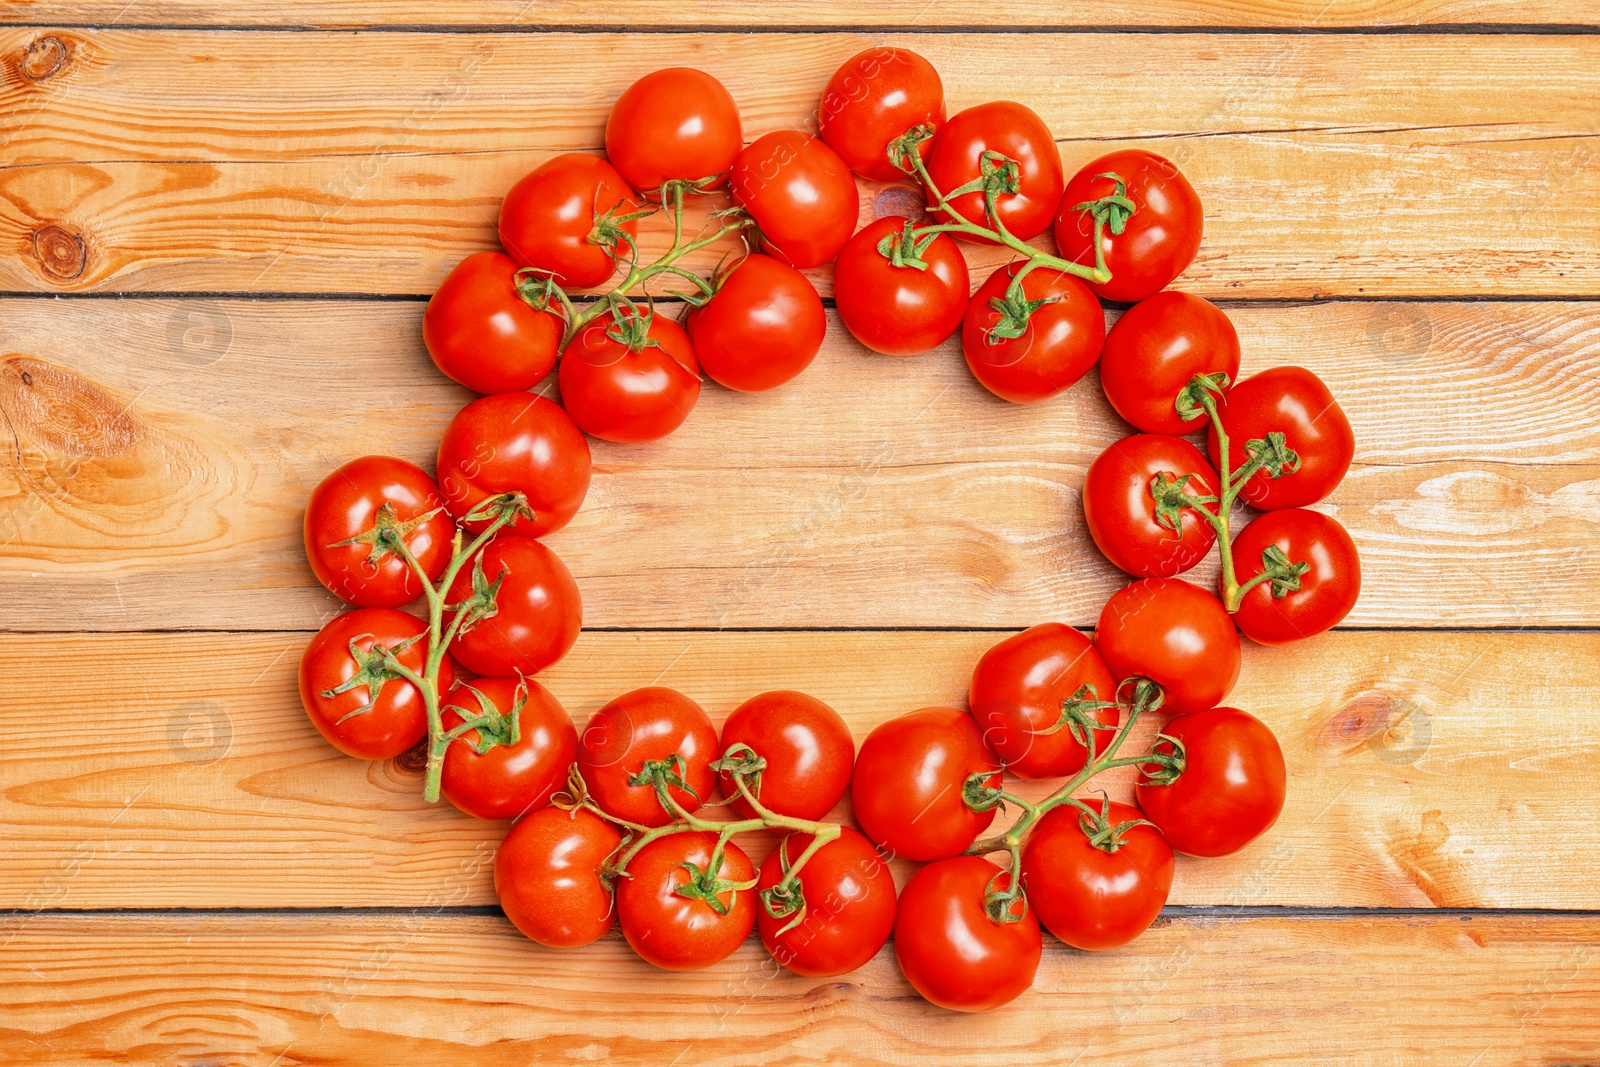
(630, 377)
(1018, 691)
(1015, 132)
(679, 932)
(808, 749)
(875, 97)
(650, 724)
(395, 717)
(1316, 599)
(1154, 351)
(571, 219)
(1096, 896)
(948, 947)
(849, 905)
(547, 876)
(1158, 241)
(801, 194)
(1032, 347)
(1294, 402)
(1125, 518)
(481, 333)
(762, 328)
(515, 442)
(677, 124)
(900, 311)
(909, 783)
(1232, 785)
(537, 610)
(342, 518)
(507, 780)
(1177, 635)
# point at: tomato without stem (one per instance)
(547, 876)
(800, 193)
(1294, 402)
(1017, 133)
(849, 898)
(568, 219)
(649, 724)
(762, 328)
(507, 780)
(808, 749)
(625, 394)
(948, 947)
(677, 124)
(875, 97)
(909, 781)
(1019, 688)
(1156, 349)
(1327, 589)
(342, 518)
(1089, 897)
(537, 610)
(515, 442)
(1232, 785)
(677, 932)
(1160, 238)
(481, 333)
(1059, 341)
(900, 311)
(1175, 634)
(1125, 519)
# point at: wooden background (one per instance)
(218, 226)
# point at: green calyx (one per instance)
(665, 773)
(906, 150)
(630, 327)
(904, 249)
(741, 762)
(979, 795)
(1274, 454)
(1112, 211)
(1077, 715)
(1171, 494)
(1163, 767)
(386, 534)
(1015, 310)
(509, 506)
(493, 727)
(373, 670)
(711, 888)
(1190, 402)
(610, 229)
(482, 603)
(1283, 572)
(1006, 905)
(1102, 833)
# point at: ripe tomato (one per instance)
(1154, 350)
(948, 947)
(507, 780)
(1125, 520)
(482, 334)
(762, 328)
(1327, 588)
(537, 610)
(647, 724)
(909, 781)
(1017, 133)
(1160, 238)
(1019, 688)
(677, 124)
(515, 442)
(900, 311)
(1093, 897)
(569, 219)
(849, 906)
(875, 97)
(547, 876)
(342, 521)
(1294, 402)
(808, 749)
(1175, 634)
(335, 686)
(630, 378)
(1232, 785)
(801, 194)
(674, 931)
(1058, 343)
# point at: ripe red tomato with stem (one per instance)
(910, 780)
(521, 763)
(1310, 576)
(1156, 349)
(849, 905)
(571, 219)
(351, 510)
(763, 326)
(536, 615)
(547, 876)
(1019, 134)
(1136, 503)
(876, 96)
(801, 194)
(1175, 634)
(948, 946)
(682, 906)
(1154, 222)
(515, 442)
(1019, 696)
(636, 730)
(1096, 881)
(677, 124)
(482, 333)
(630, 376)
(1230, 789)
(1029, 342)
(900, 295)
(1297, 404)
(807, 748)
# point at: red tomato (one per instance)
(1232, 785)
(849, 906)
(1095, 897)
(647, 724)
(537, 610)
(677, 124)
(1124, 517)
(684, 933)
(335, 686)
(899, 311)
(1159, 239)
(1175, 634)
(1058, 343)
(342, 520)
(764, 326)
(1017, 133)
(1327, 588)
(515, 442)
(909, 780)
(568, 219)
(1019, 688)
(808, 749)
(481, 333)
(948, 947)
(1154, 351)
(801, 195)
(507, 780)
(1294, 402)
(619, 392)
(875, 97)
(547, 876)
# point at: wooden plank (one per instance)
(178, 770)
(159, 474)
(268, 167)
(291, 990)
